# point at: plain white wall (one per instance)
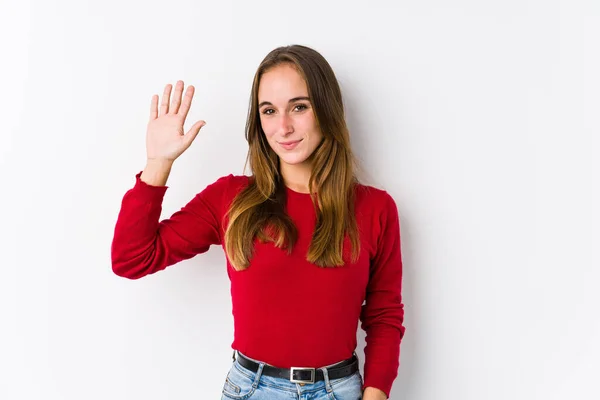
(480, 118)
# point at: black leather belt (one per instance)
(303, 375)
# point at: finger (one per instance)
(193, 132)
(176, 98)
(187, 102)
(154, 107)
(164, 105)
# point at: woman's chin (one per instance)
(293, 160)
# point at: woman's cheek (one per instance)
(267, 128)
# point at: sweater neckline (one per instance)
(292, 192)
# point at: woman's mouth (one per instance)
(290, 145)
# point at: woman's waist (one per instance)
(285, 351)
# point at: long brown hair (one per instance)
(258, 211)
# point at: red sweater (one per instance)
(287, 311)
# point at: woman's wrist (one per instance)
(156, 172)
(371, 393)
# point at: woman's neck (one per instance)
(296, 177)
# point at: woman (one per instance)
(310, 251)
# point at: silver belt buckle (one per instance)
(312, 375)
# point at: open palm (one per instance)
(165, 138)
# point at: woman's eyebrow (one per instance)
(268, 103)
(298, 99)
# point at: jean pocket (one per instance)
(239, 385)
(347, 388)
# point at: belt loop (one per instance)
(261, 365)
(233, 355)
(326, 379)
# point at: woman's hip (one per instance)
(256, 380)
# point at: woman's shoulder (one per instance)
(219, 194)
(232, 179)
(376, 208)
(370, 195)
(229, 184)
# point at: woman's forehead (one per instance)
(281, 83)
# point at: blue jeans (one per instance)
(242, 384)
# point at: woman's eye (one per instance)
(300, 107)
(268, 111)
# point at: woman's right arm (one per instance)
(141, 244)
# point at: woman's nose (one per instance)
(285, 124)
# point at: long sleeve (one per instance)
(382, 315)
(142, 245)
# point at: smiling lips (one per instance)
(290, 145)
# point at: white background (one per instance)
(481, 118)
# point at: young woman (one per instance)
(310, 251)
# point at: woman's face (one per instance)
(287, 116)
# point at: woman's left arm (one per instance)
(382, 315)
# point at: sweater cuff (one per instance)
(380, 383)
(148, 191)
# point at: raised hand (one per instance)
(165, 138)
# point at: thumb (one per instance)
(193, 132)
